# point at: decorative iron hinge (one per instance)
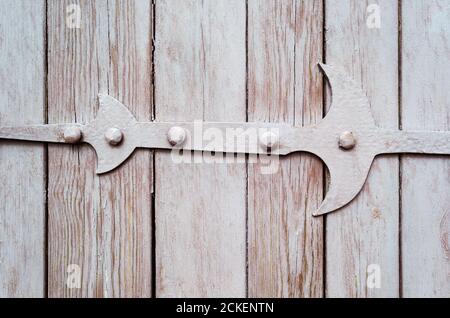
(347, 139)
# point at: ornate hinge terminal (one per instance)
(347, 139)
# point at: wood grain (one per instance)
(210, 56)
(102, 224)
(200, 207)
(22, 165)
(285, 243)
(366, 231)
(425, 179)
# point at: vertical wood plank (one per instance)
(200, 207)
(101, 224)
(366, 231)
(425, 180)
(22, 165)
(285, 85)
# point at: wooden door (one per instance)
(214, 226)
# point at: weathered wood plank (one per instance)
(101, 224)
(425, 180)
(366, 231)
(22, 165)
(200, 207)
(285, 85)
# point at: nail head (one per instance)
(113, 136)
(72, 134)
(346, 140)
(269, 139)
(176, 136)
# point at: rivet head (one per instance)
(113, 136)
(72, 134)
(346, 140)
(176, 136)
(269, 139)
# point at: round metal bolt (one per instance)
(176, 136)
(346, 140)
(72, 134)
(113, 136)
(269, 139)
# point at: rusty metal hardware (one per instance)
(347, 139)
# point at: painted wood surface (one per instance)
(285, 245)
(200, 72)
(100, 224)
(220, 229)
(425, 231)
(22, 165)
(366, 231)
